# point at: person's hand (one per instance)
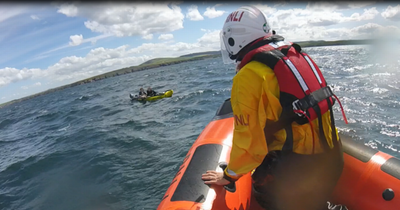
(213, 177)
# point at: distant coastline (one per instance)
(157, 62)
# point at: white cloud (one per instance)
(148, 36)
(392, 13)
(335, 6)
(46, 54)
(97, 61)
(212, 13)
(318, 16)
(101, 60)
(366, 31)
(69, 10)
(194, 14)
(373, 30)
(267, 10)
(10, 11)
(31, 86)
(327, 18)
(94, 39)
(361, 4)
(324, 21)
(76, 40)
(367, 28)
(166, 36)
(318, 6)
(35, 17)
(127, 19)
(368, 14)
(9, 75)
(210, 40)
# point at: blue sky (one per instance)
(43, 46)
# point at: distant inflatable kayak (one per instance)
(370, 178)
(165, 94)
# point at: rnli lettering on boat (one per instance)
(233, 17)
(240, 120)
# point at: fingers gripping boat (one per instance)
(165, 94)
(370, 179)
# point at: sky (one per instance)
(46, 45)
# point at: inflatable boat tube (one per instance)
(370, 179)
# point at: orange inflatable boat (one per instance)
(370, 179)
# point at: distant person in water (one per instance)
(142, 93)
(151, 92)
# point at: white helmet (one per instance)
(242, 27)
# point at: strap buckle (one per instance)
(298, 106)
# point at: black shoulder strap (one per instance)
(286, 49)
(297, 47)
(269, 58)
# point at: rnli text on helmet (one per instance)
(233, 17)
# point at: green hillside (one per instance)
(321, 43)
(183, 58)
(202, 53)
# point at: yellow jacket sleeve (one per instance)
(249, 146)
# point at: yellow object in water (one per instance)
(167, 93)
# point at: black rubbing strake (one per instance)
(357, 150)
(392, 167)
(224, 111)
(191, 187)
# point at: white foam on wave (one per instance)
(394, 87)
(364, 103)
(358, 68)
(382, 74)
(64, 128)
(391, 147)
(380, 122)
(358, 76)
(337, 88)
(351, 120)
(43, 111)
(372, 144)
(395, 102)
(379, 90)
(345, 130)
(390, 133)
